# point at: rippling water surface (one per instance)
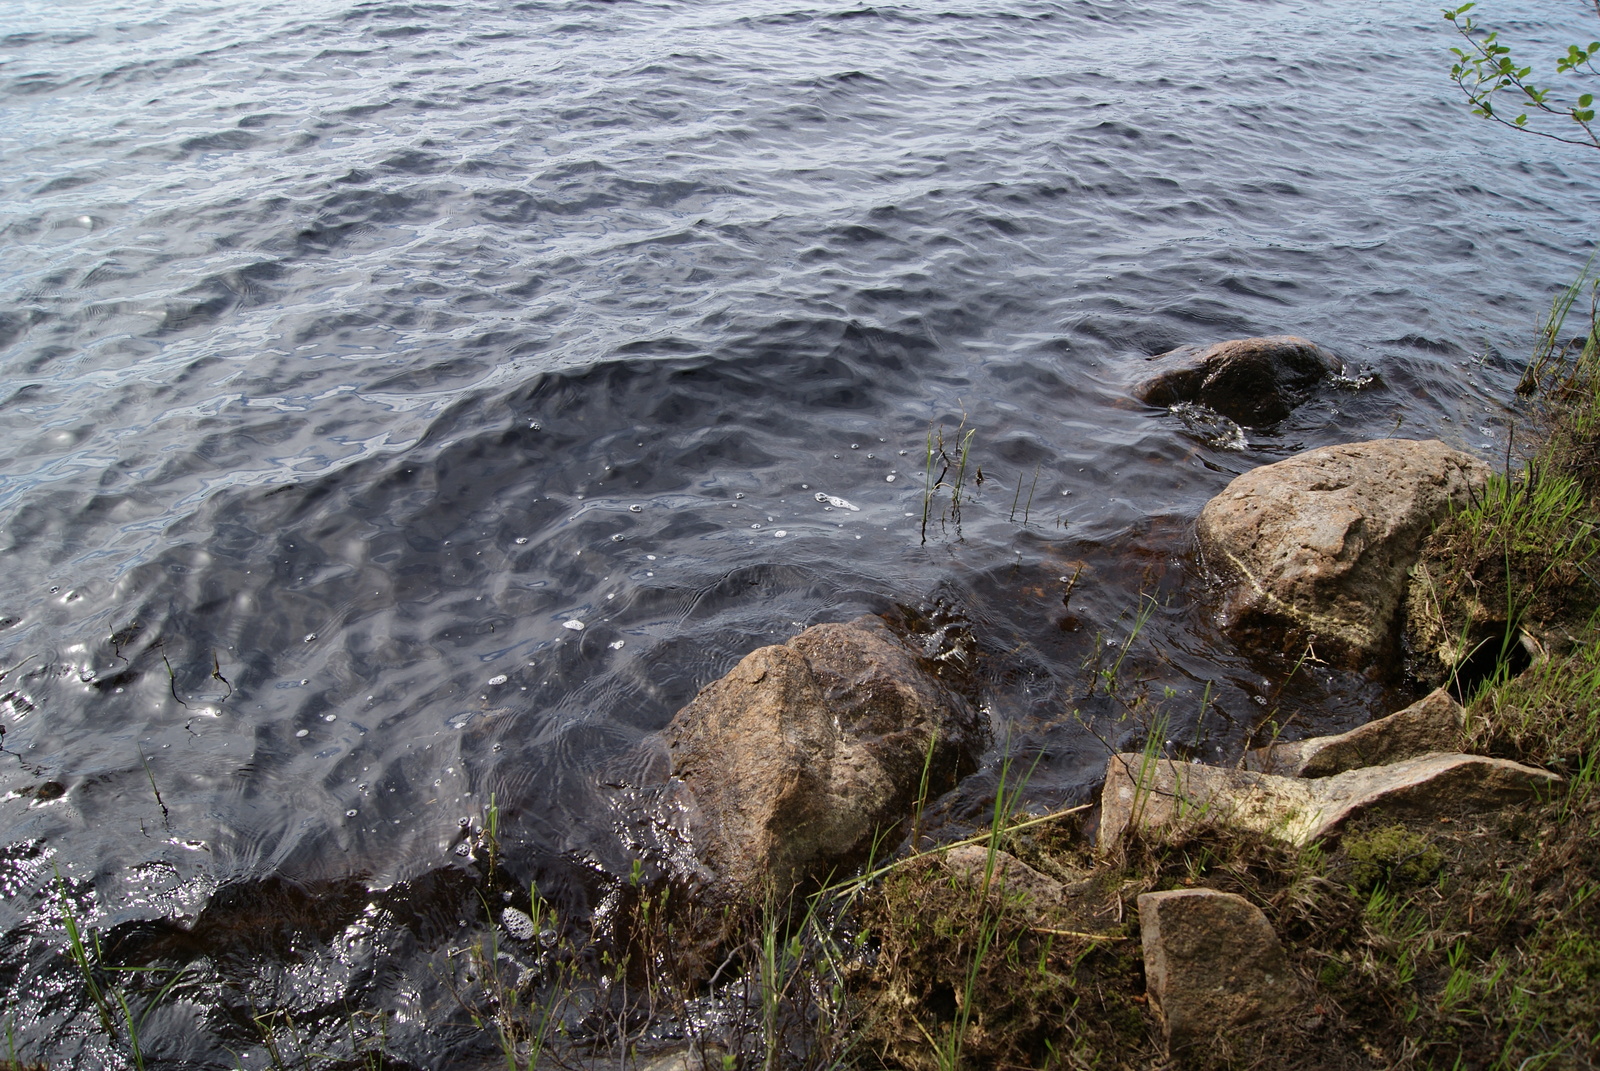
(353, 355)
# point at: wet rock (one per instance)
(1316, 548)
(796, 758)
(1211, 962)
(1176, 798)
(1252, 381)
(1431, 724)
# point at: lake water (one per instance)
(354, 354)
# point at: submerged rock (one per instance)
(1176, 798)
(1431, 724)
(796, 758)
(1316, 548)
(1211, 962)
(1252, 381)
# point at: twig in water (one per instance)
(216, 675)
(152, 776)
(1205, 702)
(4, 673)
(961, 476)
(172, 682)
(1066, 596)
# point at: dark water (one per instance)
(354, 352)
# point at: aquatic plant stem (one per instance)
(148, 772)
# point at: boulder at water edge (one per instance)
(1433, 723)
(1317, 547)
(797, 757)
(1253, 381)
(1211, 962)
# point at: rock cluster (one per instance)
(1212, 961)
(804, 752)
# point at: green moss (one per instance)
(1394, 857)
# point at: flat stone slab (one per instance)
(1174, 798)
(1211, 962)
(1432, 724)
(1009, 877)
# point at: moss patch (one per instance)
(1394, 857)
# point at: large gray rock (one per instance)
(1317, 547)
(1174, 799)
(802, 752)
(1211, 962)
(1254, 381)
(1433, 723)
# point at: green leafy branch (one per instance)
(1486, 69)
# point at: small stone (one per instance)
(1212, 962)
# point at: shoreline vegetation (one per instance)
(1434, 940)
